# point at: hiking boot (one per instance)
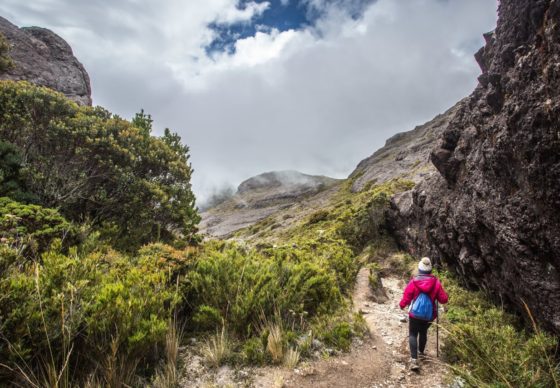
(422, 356)
(414, 364)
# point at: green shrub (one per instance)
(253, 351)
(318, 216)
(487, 348)
(6, 62)
(339, 336)
(93, 165)
(31, 228)
(243, 284)
(12, 181)
(98, 310)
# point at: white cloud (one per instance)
(231, 15)
(317, 100)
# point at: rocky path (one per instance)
(380, 361)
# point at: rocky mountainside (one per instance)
(286, 197)
(261, 196)
(493, 209)
(44, 58)
(406, 154)
(289, 196)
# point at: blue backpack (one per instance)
(422, 307)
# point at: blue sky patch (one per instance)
(280, 15)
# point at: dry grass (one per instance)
(217, 348)
(167, 376)
(118, 370)
(274, 342)
(291, 358)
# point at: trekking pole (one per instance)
(437, 329)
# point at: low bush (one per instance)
(102, 312)
(31, 228)
(235, 285)
(487, 347)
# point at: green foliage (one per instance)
(373, 278)
(364, 220)
(488, 349)
(11, 175)
(92, 165)
(338, 330)
(6, 63)
(238, 285)
(100, 309)
(31, 228)
(318, 216)
(340, 336)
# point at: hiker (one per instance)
(421, 293)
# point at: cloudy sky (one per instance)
(261, 85)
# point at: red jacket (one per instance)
(428, 284)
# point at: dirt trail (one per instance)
(380, 361)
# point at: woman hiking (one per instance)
(421, 293)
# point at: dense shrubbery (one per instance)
(95, 166)
(81, 193)
(236, 286)
(84, 313)
(487, 347)
(30, 228)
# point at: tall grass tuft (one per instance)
(217, 348)
(291, 358)
(274, 345)
(167, 376)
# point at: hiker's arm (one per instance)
(442, 296)
(407, 295)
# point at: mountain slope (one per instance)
(261, 196)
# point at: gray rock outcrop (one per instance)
(45, 59)
(492, 209)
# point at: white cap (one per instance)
(425, 265)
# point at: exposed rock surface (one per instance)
(493, 210)
(260, 197)
(404, 155)
(45, 59)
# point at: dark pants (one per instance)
(417, 328)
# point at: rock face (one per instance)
(404, 155)
(492, 210)
(261, 196)
(45, 59)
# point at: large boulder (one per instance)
(492, 211)
(44, 58)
